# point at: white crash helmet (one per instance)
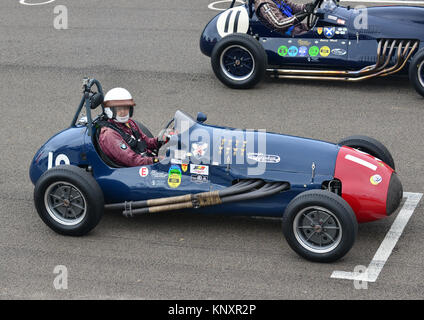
(118, 97)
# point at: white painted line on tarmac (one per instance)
(384, 1)
(24, 2)
(384, 251)
(212, 5)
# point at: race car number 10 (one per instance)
(60, 159)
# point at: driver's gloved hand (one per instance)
(309, 8)
(162, 139)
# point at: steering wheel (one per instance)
(312, 18)
(165, 135)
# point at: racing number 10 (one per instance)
(60, 159)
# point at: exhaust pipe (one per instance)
(239, 187)
(241, 191)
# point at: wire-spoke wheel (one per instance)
(68, 200)
(320, 226)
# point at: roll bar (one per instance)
(87, 100)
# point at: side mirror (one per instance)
(201, 117)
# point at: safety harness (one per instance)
(287, 10)
(134, 140)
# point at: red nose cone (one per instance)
(371, 187)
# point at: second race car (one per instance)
(340, 44)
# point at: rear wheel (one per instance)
(69, 200)
(320, 226)
(370, 146)
(239, 61)
(416, 72)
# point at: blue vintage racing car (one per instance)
(341, 44)
(320, 189)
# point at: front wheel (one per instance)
(69, 200)
(239, 61)
(320, 226)
(416, 72)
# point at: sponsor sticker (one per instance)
(329, 32)
(176, 161)
(332, 17)
(197, 178)
(184, 167)
(320, 30)
(293, 51)
(158, 174)
(376, 179)
(144, 172)
(313, 51)
(339, 52)
(282, 51)
(266, 158)
(199, 149)
(303, 51)
(199, 169)
(325, 51)
(174, 176)
(341, 21)
(303, 43)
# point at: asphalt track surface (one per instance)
(151, 48)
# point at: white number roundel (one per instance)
(234, 20)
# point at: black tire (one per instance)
(84, 191)
(331, 207)
(370, 146)
(252, 49)
(416, 72)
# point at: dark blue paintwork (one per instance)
(125, 184)
(385, 22)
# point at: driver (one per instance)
(284, 16)
(121, 139)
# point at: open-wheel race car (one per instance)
(339, 44)
(321, 190)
